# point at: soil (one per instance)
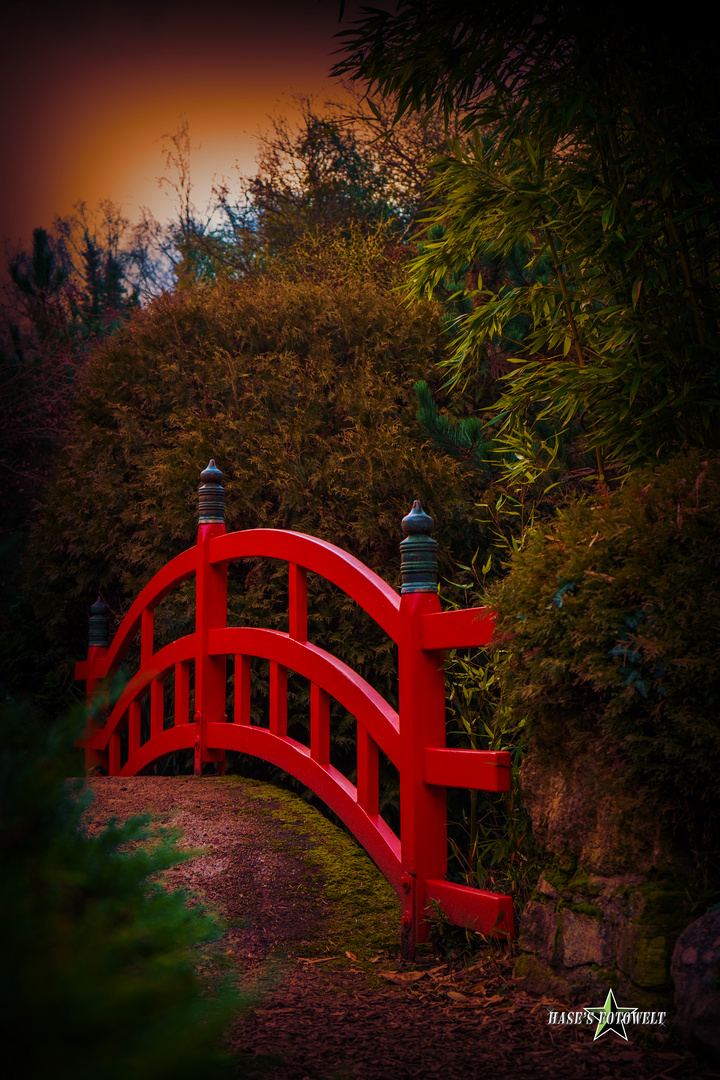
(324, 1012)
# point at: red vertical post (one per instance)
(319, 725)
(210, 614)
(182, 692)
(134, 727)
(278, 699)
(368, 778)
(157, 707)
(423, 808)
(298, 602)
(98, 640)
(242, 689)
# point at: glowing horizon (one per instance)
(100, 89)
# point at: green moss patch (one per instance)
(364, 911)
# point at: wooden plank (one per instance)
(278, 699)
(157, 707)
(182, 692)
(368, 777)
(298, 602)
(134, 720)
(485, 770)
(471, 627)
(319, 725)
(241, 712)
(478, 910)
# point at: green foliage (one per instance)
(640, 369)
(610, 637)
(490, 840)
(464, 438)
(98, 963)
(608, 174)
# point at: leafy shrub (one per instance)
(98, 969)
(609, 622)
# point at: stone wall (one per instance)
(609, 907)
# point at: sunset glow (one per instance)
(89, 96)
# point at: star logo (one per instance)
(611, 1017)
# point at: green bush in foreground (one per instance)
(98, 974)
(609, 619)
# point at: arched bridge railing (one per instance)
(413, 738)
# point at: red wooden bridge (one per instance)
(413, 739)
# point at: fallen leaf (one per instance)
(312, 960)
(457, 997)
(351, 956)
(403, 978)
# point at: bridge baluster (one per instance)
(134, 721)
(368, 776)
(242, 689)
(157, 707)
(319, 725)
(278, 699)
(182, 693)
(98, 639)
(114, 755)
(298, 602)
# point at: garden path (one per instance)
(328, 1013)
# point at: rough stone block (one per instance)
(536, 932)
(546, 889)
(695, 970)
(579, 940)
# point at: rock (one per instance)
(546, 889)
(580, 940)
(537, 929)
(695, 971)
(582, 809)
(610, 904)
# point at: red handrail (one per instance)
(413, 739)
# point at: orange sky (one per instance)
(89, 89)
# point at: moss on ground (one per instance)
(365, 911)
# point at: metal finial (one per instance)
(98, 625)
(418, 552)
(211, 494)
(417, 521)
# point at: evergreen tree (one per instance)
(41, 279)
(75, 286)
(98, 974)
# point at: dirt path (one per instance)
(333, 1014)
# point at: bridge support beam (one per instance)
(210, 614)
(423, 807)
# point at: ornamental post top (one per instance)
(418, 552)
(98, 625)
(211, 495)
(417, 521)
